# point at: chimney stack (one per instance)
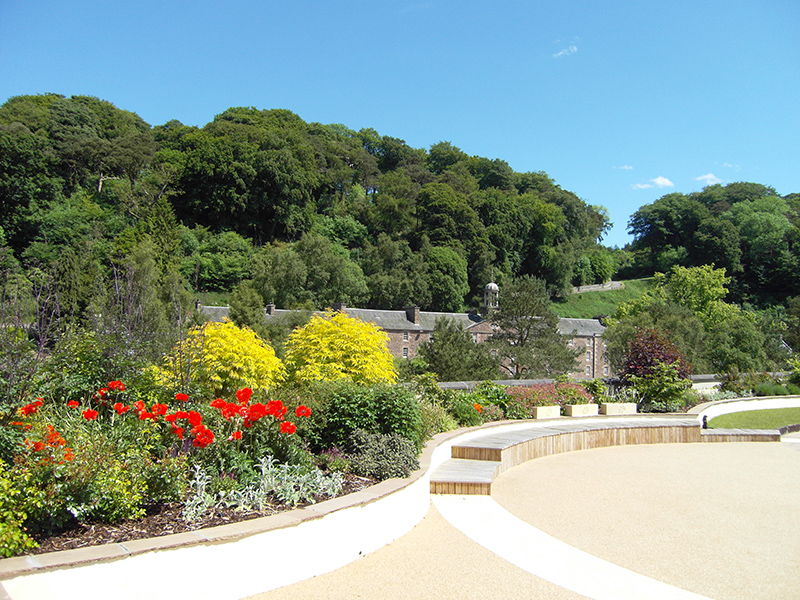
(412, 314)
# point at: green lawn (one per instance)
(591, 304)
(757, 419)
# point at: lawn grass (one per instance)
(592, 304)
(772, 418)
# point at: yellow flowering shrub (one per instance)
(224, 358)
(335, 346)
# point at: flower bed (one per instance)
(524, 399)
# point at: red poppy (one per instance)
(288, 427)
(203, 437)
(181, 397)
(159, 409)
(302, 411)
(73, 404)
(243, 395)
(138, 405)
(90, 414)
(195, 418)
(236, 435)
(121, 408)
(256, 411)
(147, 415)
(178, 431)
(29, 409)
(477, 407)
(218, 403)
(181, 414)
(116, 385)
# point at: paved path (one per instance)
(715, 520)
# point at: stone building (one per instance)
(410, 327)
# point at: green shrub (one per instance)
(13, 537)
(341, 407)
(381, 455)
(434, 419)
(466, 410)
(661, 390)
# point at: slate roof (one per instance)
(397, 320)
(580, 327)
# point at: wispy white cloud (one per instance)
(728, 165)
(571, 49)
(659, 182)
(662, 182)
(709, 179)
(625, 168)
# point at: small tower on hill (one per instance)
(491, 298)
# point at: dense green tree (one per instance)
(26, 185)
(453, 356)
(446, 275)
(527, 340)
(396, 276)
(247, 307)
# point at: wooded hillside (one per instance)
(309, 213)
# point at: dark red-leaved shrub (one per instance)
(649, 348)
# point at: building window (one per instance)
(475, 338)
(589, 355)
(405, 352)
(605, 370)
(405, 336)
(430, 336)
(588, 370)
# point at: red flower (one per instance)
(243, 395)
(171, 418)
(195, 418)
(31, 408)
(236, 435)
(477, 407)
(69, 454)
(116, 385)
(139, 406)
(36, 446)
(288, 427)
(203, 436)
(159, 409)
(302, 411)
(90, 414)
(276, 409)
(218, 403)
(181, 414)
(256, 411)
(146, 415)
(178, 431)
(73, 404)
(121, 408)
(101, 393)
(181, 397)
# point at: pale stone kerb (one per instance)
(724, 407)
(39, 563)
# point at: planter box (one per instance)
(618, 408)
(546, 412)
(581, 410)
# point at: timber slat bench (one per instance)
(476, 463)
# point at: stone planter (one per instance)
(546, 412)
(618, 408)
(581, 410)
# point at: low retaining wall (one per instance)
(724, 407)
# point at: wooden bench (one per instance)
(475, 464)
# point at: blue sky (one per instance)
(619, 101)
